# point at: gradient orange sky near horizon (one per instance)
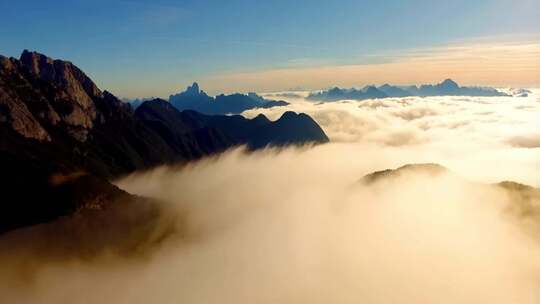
(499, 64)
(140, 48)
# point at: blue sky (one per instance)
(139, 48)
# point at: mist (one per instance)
(299, 225)
(484, 138)
(282, 226)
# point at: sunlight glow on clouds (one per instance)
(296, 225)
(472, 135)
(285, 227)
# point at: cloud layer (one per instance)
(295, 225)
(472, 135)
(284, 226)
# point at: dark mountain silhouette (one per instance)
(336, 94)
(63, 138)
(136, 102)
(446, 88)
(195, 99)
(290, 128)
(393, 91)
(451, 88)
(220, 131)
(185, 134)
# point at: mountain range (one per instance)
(63, 139)
(446, 88)
(195, 99)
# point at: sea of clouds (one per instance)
(296, 225)
(484, 138)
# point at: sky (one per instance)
(137, 48)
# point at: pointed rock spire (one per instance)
(193, 89)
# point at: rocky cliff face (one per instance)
(39, 93)
(13, 109)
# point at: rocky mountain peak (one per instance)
(6, 64)
(193, 89)
(36, 62)
(38, 93)
(74, 99)
(63, 73)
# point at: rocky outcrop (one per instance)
(76, 86)
(13, 110)
(39, 93)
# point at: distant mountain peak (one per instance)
(430, 169)
(446, 88)
(196, 99)
(370, 89)
(261, 119)
(449, 83)
(193, 89)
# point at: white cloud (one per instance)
(295, 226)
(474, 134)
